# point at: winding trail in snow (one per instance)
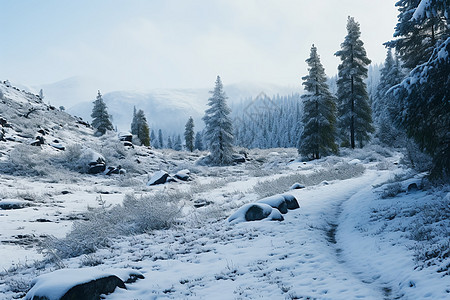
(295, 259)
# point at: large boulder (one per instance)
(95, 161)
(74, 284)
(297, 186)
(255, 212)
(159, 177)
(276, 201)
(239, 158)
(183, 175)
(125, 137)
(291, 201)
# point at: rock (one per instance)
(74, 284)
(201, 203)
(58, 146)
(128, 144)
(171, 179)
(297, 186)
(96, 168)
(239, 158)
(255, 212)
(12, 204)
(276, 201)
(413, 187)
(183, 175)
(125, 136)
(159, 177)
(291, 201)
(114, 170)
(38, 141)
(41, 131)
(3, 122)
(95, 161)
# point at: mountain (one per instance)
(166, 109)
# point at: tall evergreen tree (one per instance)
(422, 24)
(100, 117)
(355, 115)
(139, 127)
(177, 145)
(153, 139)
(198, 144)
(426, 115)
(189, 134)
(219, 129)
(169, 143)
(319, 118)
(385, 106)
(160, 139)
(134, 122)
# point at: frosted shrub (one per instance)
(392, 190)
(137, 215)
(25, 160)
(282, 184)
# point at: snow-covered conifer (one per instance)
(177, 145)
(355, 115)
(153, 139)
(143, 129)
(426, 115)
(189, 134)
(422, 24)
(160, 139)
(219, 130)
(100, 117)
(198, 144)
(319, 118)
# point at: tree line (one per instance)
(411, 102)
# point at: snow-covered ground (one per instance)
(347, 240)
(367, 227)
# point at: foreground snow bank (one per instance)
(57, 284)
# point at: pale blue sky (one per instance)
(137, 44)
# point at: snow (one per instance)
(55, 284)
(345, 242)
(239, 215)
(156, 176)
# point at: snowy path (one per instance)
(294, 259)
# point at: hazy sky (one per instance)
(145, 44)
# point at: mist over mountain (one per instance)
(166, 109)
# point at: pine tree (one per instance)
(384, 106)
(160, 139)
(142, 128)
(421, 26)
(426, 114)
(169, 143)
(319, 118)
(189, 134)
(177, 145)
(219, 129)
(355, 120)
(153, 139)
(100, 117)
(134, 122)
(198, 144)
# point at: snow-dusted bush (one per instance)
(282, 184)
(25, 160)
(392, 190)
(136, 215)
